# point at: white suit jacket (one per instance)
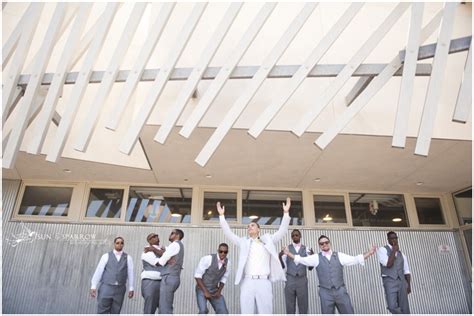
(270, 240)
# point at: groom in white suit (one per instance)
(258, 265)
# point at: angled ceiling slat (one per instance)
(11, 76)
(224, 74)
(55, 89)
(9, 47)
(137, 70)
(241, 103)
(90, 122)
(357, 89)
(80, 87)
(39, 67)
(464, 100)
(159, 84)
(435, 85)
(406, 87)
(323, 100)
(304, 70)
(372, 89)
(197, 72)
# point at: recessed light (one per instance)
(253, 216)
(176, 215)
(67, 170)
(208, 176)
(317, 179)
(396, 219)
(209, 213)
(327, 218)
(420, 183)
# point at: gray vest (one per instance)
(175, 269)
(213, 274)
(291, 267)
(330, 273)
(115, 272)
(396, 271)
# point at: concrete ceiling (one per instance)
(275, 160)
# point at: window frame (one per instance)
(442, 203)
(74, 206)
(158, 187)
(345, 195)
(200, 210)
(85, 202)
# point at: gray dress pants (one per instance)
(169, 285)
(110, 298)
(332, 298)
(296, 290)
(151, 294)
(396, 295)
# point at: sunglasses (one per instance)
(322, 243)
(295, 235)
(223, 251)
(119, 243)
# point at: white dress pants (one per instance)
(256, 291)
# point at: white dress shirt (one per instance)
(206, 262)
(258, 261)
(152, 259)
(101, 266)
(344, 259)
(297, 248)
(171, 250)
(383, 259)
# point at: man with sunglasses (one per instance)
(172, 261)
(115, 268)
(211, 275)
(259, 265)
(296, 287)
(395, 275)
(330, 268)
(151, 274)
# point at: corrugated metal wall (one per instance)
(52, 273)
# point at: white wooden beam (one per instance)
(372, 89)
(25, 106)
(192, 82)
(10, 122)
(108, 80)
(323, 99)
(9, 47)
(464, 101)
(76, 96)
(247, 95)
(357, 89)
(12, 75)
(137, 70)
(159, 84)
(304, 70)
(408, 78)
(70, 48)
(435, 85)
(71, 11)
(217, 85)
(17, 94)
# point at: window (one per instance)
(227, 199)
(265, 207)
(463, 202)
(329, 209)
(429, 211)
(378, 210)
(159, 205)
(46, 201)
(104, 203)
